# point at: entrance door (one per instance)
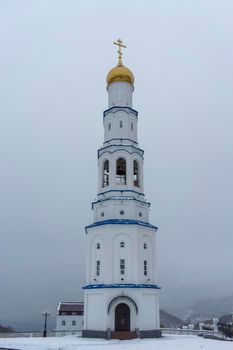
(122, 317)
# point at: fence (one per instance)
(79, 333)
(180, 331)
(40, 334)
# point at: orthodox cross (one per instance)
(119, 43)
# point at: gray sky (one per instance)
(55, 55)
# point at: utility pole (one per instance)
(45, 313)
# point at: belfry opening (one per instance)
(121, 171)
(135, 173)
(106, 173)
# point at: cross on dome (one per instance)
(120, 44)
(120, 72)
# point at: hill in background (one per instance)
(204, 310)
(169, 321)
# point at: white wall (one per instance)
(109, 237)
(68, 322)
(113, 129)
(112, 209)
(120, 94)
(96, 316)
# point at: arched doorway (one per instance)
(122, 317)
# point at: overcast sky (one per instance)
(55, 55)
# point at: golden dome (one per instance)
(120, 73)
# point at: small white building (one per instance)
(69, 316)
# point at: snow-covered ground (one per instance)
(168, 342)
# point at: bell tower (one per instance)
(121, 291)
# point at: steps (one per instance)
(123, 335)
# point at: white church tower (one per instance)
(121, 293)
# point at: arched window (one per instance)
(105, 174)
(135, 174)
(145, 246)
(97, 267)
(98, 246)
(122, 266)
(109, 126)
(73, 323)
(121, 171)
(122, 244)
(121, 123)
(63, 323)
(145, 267)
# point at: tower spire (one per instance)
(120, 44)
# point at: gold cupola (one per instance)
(120, 72)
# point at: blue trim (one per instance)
(124, 198)
(119, 149)
(118, 138)
(121, 222)
(124, 108)
(120, 145)
(121, 285)
(102, 193)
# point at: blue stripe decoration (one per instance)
(121, 139)
(121, 222)
(115, 109)
(137, 149)
(102, 193)
(121, 285)
(119, 149)
(125, 198)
